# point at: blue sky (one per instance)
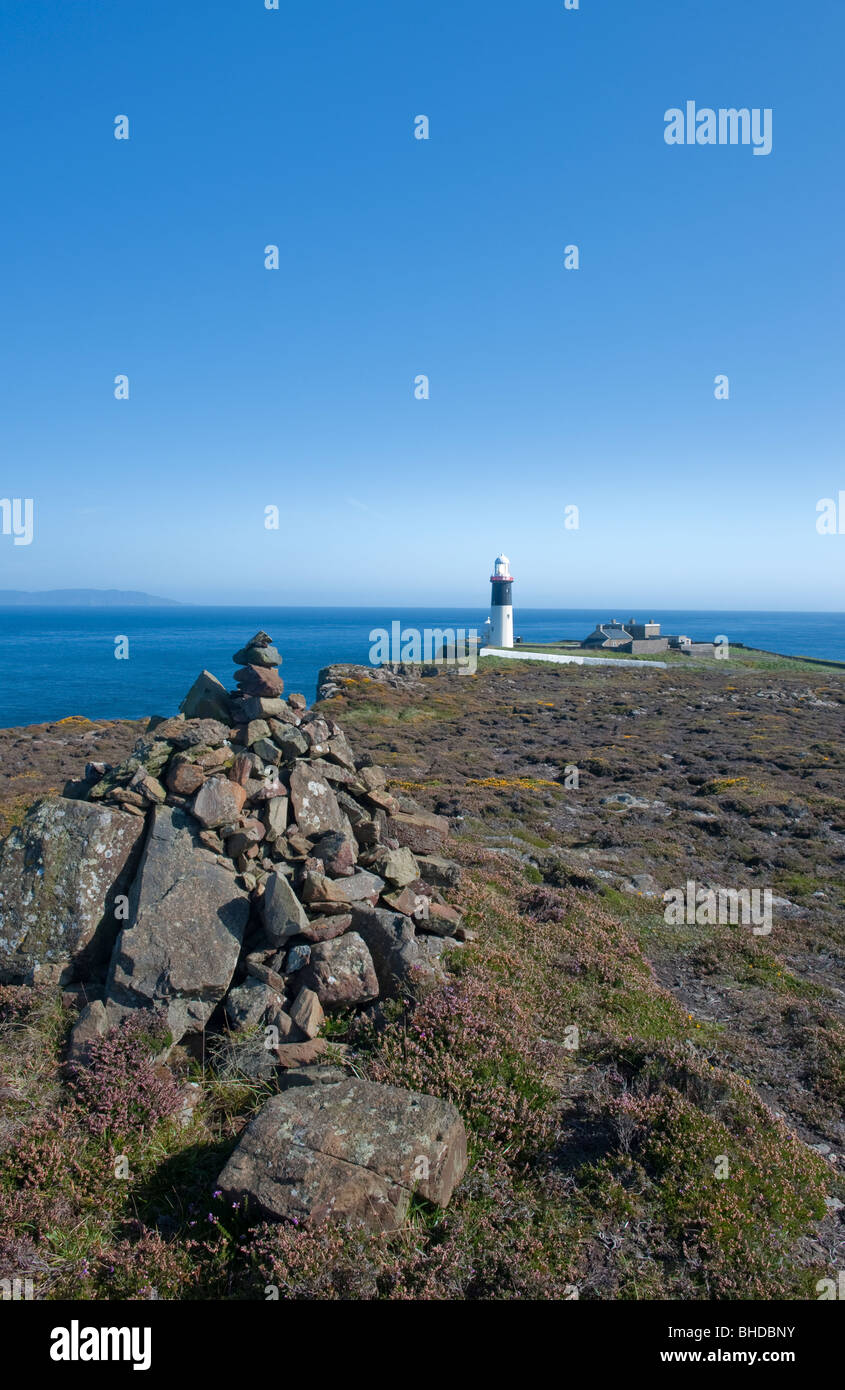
(549, 387)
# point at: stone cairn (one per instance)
(244, 872)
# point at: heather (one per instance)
(590, 1169)
(651, 1112)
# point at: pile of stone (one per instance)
(243, 871)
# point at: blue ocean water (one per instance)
(60, 661)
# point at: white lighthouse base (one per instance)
(501, 627)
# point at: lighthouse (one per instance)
(501, 601)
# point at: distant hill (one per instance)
(82, 598)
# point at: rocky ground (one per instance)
(39, 760)
(721, 773)
(651, 1111)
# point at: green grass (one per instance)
(629, 1156)
(740, 657)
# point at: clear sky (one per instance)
(399, 257)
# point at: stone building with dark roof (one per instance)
(641, 638)
(608, 635)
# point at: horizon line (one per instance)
(167, 604)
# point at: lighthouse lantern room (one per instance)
(501, 600)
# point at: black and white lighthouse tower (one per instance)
(501, 603)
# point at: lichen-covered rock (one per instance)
(149, 756)
(314, 803)
(341, 972)
(347, 1151)
(397, 866)
(60, 872)
(187, 917)
(189, 733)
(250, 1003)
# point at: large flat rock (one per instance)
(59, 874)
(347, 1151)
(421, 832)
(187, 917)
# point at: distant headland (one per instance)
(82, 598)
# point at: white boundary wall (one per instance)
(561, 660)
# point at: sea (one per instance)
(56, 662)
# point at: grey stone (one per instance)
(92, 1023)
(187, 918)
(276, 817)
(323, 894)
(261, 970)
(290, 742)
(307, 1013)
(341, 973)
(444, 873)
(436, 946)
(257, 656)
(625, 801)
(248, 1004)
(397, 866)
(262, 707)
(314, 803)
(356, 814)
(255, 730)
(347, 1151)
(361, 887)
(642, 885)
(391, 940)
(60, 872)
(298, 956)
(191, 733)
(284, 915)
(148, 787)
(311, 1076)
(267, 751)
(207, 699)
(373, 777)
(338, 852)
(340, 752)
